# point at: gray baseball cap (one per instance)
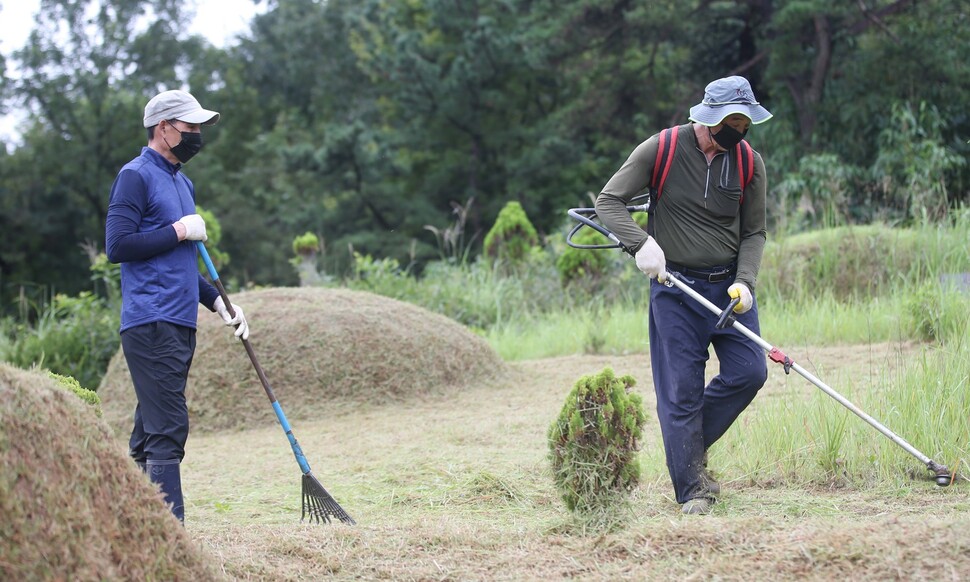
(177, 105)
(725, 97)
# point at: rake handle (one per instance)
(297, 450)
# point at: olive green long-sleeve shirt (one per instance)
(700, 220)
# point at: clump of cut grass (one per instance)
(73, 505)
(593, 445)
(321, 349)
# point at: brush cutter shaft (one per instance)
(775, 353)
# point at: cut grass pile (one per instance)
(73, 506)
(321, 349)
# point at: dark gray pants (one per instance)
(159, 355)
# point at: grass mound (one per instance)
(861, 260)
(321, 349)
(73, 506)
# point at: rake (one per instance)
(941, 474)
(318, 505)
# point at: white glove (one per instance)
(650, 260)
(242, 327)
(741, 290)
(194, 227)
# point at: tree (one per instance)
(86, 71)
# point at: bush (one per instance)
(938, 314)
(306, 247)
(593, 444)
(73, 336)
(583, 264)
(512, 238)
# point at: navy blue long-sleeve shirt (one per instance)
(160, 279)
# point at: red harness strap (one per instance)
(665, 154)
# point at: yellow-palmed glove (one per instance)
(741, 290)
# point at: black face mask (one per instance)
(728, 137)
(190, 145)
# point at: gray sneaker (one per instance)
(698, 506)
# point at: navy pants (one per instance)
(694, 416)
(159, 355)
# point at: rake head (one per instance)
(319, 505)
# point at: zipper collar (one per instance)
(160, 161)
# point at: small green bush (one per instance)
(937, 314)
(593, 444)
(512, 237)
(213, 232)
(306, 247)
(306, 244)
(584, 264)
(88, 396)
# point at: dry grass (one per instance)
(458, 488)
(322, 349)
(73, 506)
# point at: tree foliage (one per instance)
(368, 121)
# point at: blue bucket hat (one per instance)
(725, 97)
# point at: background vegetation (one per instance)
(373, 145)
(367, 122)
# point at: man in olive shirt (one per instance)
(709, 231)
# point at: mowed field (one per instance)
(457, 486)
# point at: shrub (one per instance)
(583, 264)
(213, 232)
(512, 237)
(938, 314)
(73, 336)
(593, 444)
(305, 247)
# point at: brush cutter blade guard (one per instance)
(941, 474)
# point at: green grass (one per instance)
(624, 328)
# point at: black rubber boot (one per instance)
(169, 479)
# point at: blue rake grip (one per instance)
(297, 450)
(208, 262)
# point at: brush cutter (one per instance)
(941, 474)
(318, 505)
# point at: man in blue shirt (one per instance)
(152, 228)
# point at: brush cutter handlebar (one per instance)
(726, 317)
(580, 215)
(942, 475)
